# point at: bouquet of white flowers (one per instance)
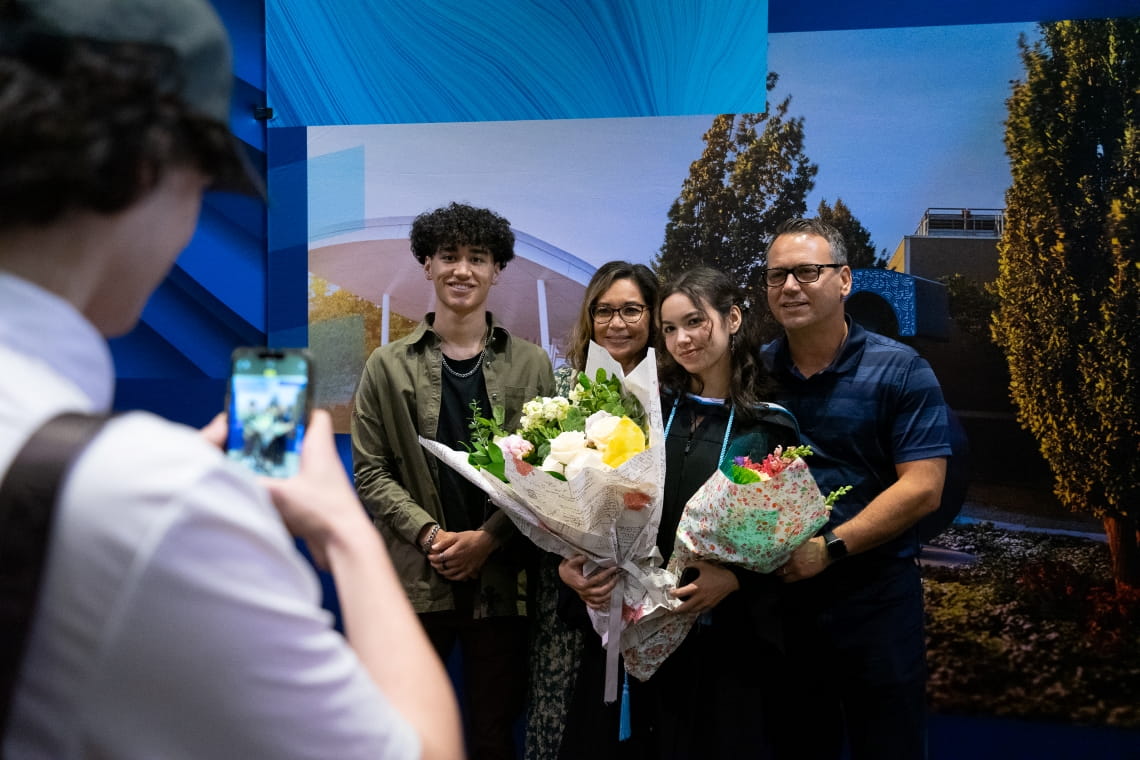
(583, 475)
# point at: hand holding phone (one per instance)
(268, 402)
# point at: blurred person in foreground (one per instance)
(176, 618)
(873, 413)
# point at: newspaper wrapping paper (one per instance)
(752, 525)
(610, 516)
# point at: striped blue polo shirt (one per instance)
(876, 405)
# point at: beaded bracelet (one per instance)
(430, 538)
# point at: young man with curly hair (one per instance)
(457, 554)
(174, 617)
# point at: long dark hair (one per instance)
(708, 288)
(606, 275)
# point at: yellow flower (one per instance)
(625, 441)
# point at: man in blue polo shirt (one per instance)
(874, 415)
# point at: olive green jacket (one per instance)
(398, 400)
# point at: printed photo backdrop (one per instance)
(905, 126)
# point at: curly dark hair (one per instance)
(89, 125)
(606, 275)
(710, 288)
(458, 224)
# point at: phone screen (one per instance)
(268, 409)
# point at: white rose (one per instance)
(600, 428)
(585, 458)
(566, 445)
(550, 464)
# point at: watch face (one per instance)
(836, 547)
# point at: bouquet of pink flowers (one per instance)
(755, 514)
(750, 514)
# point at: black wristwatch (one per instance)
(836, 547)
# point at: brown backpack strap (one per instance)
(28, 496)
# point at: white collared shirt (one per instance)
(176, 618)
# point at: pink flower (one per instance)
(515, 446)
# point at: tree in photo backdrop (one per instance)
(344, 328)
(971, 304)
(752, 175)
(1069, 281)
(861, 253)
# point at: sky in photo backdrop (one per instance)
(898, 120)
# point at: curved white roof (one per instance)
(537, 296)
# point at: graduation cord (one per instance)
(727, 429)
(624, 727)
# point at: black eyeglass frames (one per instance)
(630, 313)
(805, 274)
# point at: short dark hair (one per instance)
(91, 125)
(458, 224)
(750, 383)
(605, 276)
(813, 226)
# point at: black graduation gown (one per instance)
(708, 700)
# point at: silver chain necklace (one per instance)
(468, 373)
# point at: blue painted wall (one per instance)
(216, 298)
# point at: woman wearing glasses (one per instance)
(617, 314)
(710, 698)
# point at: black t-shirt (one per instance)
(465, 507)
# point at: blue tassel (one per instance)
(624, 730)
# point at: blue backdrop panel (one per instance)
(288, 265)
(175, 362)
(821, 15)
(390, 61)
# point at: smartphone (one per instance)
(269, 396)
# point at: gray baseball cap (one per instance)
(191, 29)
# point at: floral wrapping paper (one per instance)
(752, 525)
